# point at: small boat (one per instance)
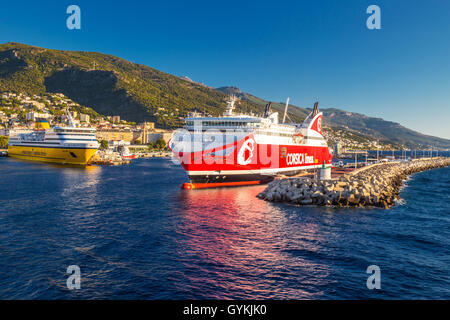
(125, 153)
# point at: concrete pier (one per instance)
(376, 185)
(110, 158)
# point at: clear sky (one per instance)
(307, 50)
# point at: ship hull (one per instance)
(74, 156)
(215, 180)
(244, 149)
(260, 165)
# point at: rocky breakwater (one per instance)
(376, 185)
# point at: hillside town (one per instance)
(343, 140)
(18, 112)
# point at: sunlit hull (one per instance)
(207, 169)
(244, 149)
(60, 155)
(129, 157)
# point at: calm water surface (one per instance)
(136, 235)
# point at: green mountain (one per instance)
(114, 86)
(382, 129)
(364, 126)
(109, 85)
(296, 114)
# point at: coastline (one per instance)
(377, 185)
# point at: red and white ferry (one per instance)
(125, 153)
(242, 149)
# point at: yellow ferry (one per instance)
(65, 145)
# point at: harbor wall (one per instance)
(376, 185)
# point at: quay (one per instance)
(375, 185)
(155, 154)
(108, 158)
(114, 158)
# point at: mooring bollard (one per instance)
(325, 172)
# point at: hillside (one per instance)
(114, 86)
(296, 114)
(359, 124)
(109, 85)
(381, 129)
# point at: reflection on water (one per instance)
(239, 244)
(80, 180)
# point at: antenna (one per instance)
(285, 109)
(69, 118)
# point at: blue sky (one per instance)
(307, 50)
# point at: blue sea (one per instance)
(136, 235)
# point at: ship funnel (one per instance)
(41, 123)
(316, 109)
(267, 110)
(314, 120)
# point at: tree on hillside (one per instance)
(160, 144)
(104, 145)
(3, 141)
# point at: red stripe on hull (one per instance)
(189, 186)
(246, 157)
(274, 157)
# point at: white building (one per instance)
(3, 118)
(31, 116)
(38, 105)
(154, 136)
(8, 95)
(84, 117)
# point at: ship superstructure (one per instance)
(66, 145)
(245, 149)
